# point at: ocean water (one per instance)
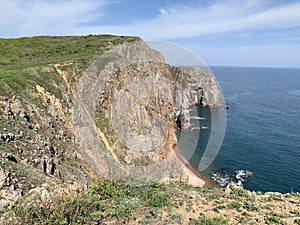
(263, 127)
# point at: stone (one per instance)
(8, 197)
(11, 158)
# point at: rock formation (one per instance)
(110, 114)
(135, 98)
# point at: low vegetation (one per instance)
(41, 50)
(148, 202)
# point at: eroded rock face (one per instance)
(116, 115)
(36, 136)
(200, 83)
(125, 111)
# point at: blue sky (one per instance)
(231, 33)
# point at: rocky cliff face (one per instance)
(111, 114)
(132, 96)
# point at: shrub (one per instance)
(107, 199)
(209, 221)
(250, 206)
(273, 218)
(234, 205)
(297, 221)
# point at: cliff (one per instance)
(74, 110)
(135, 99)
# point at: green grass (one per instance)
(250, 206)
(203, 220)
(42, 50)
(238, 193)
(273, 218)
(102, 202)
(24, 62)
(234, 205)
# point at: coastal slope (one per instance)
(76, 109)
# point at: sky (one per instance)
(221, 32)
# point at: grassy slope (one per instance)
(141, 202)
(17, 55)
(42, 50)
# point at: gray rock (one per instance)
(134, 91)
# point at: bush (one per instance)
(105, 200)
(297, 221)
(234, 205)
(209, 221)
(273, 218)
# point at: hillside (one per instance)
(77, 113)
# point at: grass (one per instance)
(250, 206)
(23, 60)
(203, 220)
(137, 201)
(273, 218)
(42, 50)
(238, 193)
(105, 201)
(234, 205)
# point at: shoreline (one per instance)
(194, 178)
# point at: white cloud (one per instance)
(34, 17)
(199, 20)
(222, 16)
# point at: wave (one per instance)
(198, 118)
(294, 92)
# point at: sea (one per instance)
(262, 133)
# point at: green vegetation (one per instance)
(203, 220)
(250, 206)
(297, 221)
(23, 61)
(273, 218)
(238, 193)
(128, 201)
(42, 50)
(102, 202)
(234, 205)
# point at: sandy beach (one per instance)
(193, 177)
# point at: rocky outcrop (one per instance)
(202, 87)
(35, 139)
(126, 106)
(8, 191)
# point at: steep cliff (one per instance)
(135, 97)
(77, 108)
